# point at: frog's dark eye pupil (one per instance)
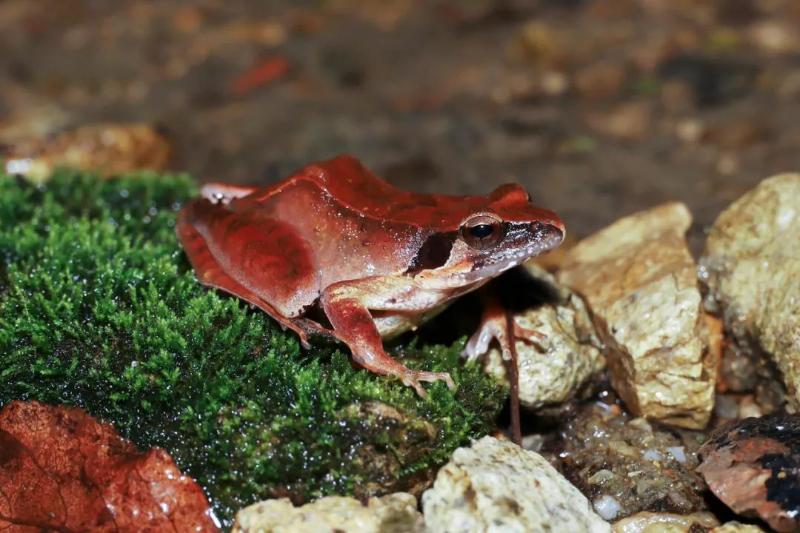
(481, 231)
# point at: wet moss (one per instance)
(99, 309)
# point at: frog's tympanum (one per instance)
(375, 260)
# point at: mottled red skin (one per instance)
(336, 235)
(62, 470)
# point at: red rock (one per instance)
(753, 466)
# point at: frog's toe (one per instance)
(420, 390)
(415, 379)
(478, 344)
(410, 380)
(489, 331)
(431, 377)
(528, 335)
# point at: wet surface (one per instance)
(62, 470)
(753, 465)
(600, 108)
(625, 465)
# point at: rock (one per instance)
(625, 466)
(630, 121)
(639, 281)
(737, 12)
(739, 370)
(552, 260)
(675, 523)
(690, 130)
(774, 36)
(740, 134)
(30, 117)
(748, 408)
(495, 485)
(544, 45)
(744, 369)
(600, 80)
(676, 97)
(751, 265)
(385, 15)
(714, 82)
(108, 149)
(665, 523)
(729, 407)
(726, 408)
(554, 370)
(736, 527)
(395, 513)
(753, 466)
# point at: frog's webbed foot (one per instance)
(353, 324)
(498, 324)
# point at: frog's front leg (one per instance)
(494, 325)
(347, 305)
(499, 324)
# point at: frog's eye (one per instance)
(482, 231)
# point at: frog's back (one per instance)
(359, 190)
(344, 242)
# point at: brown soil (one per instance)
(599, 107)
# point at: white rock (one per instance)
(640, 284)
(736, 527)
(647, 522)
(752, 267)
(607, 507)
(553, 370)
(395, 513)
(496, 486)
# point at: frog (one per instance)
(335, 250)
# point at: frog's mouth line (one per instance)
(522, 242)
(540, 237)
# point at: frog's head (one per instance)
(502, 232)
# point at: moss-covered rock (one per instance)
(100, 309)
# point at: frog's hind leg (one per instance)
(200, 226)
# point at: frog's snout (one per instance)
(550, 233)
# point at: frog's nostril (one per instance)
(549, 234)
(557, 231)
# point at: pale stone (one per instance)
(737, 527)
(647, 522)
(552, 370)
(640, 283)
(752, 267)
(395, 513)
(497, 486)
(106, 148)
(630, 121)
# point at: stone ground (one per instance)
(600, 108)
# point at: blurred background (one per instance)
(599, 108)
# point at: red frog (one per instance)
(376, 260)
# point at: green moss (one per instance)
(99, 308)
